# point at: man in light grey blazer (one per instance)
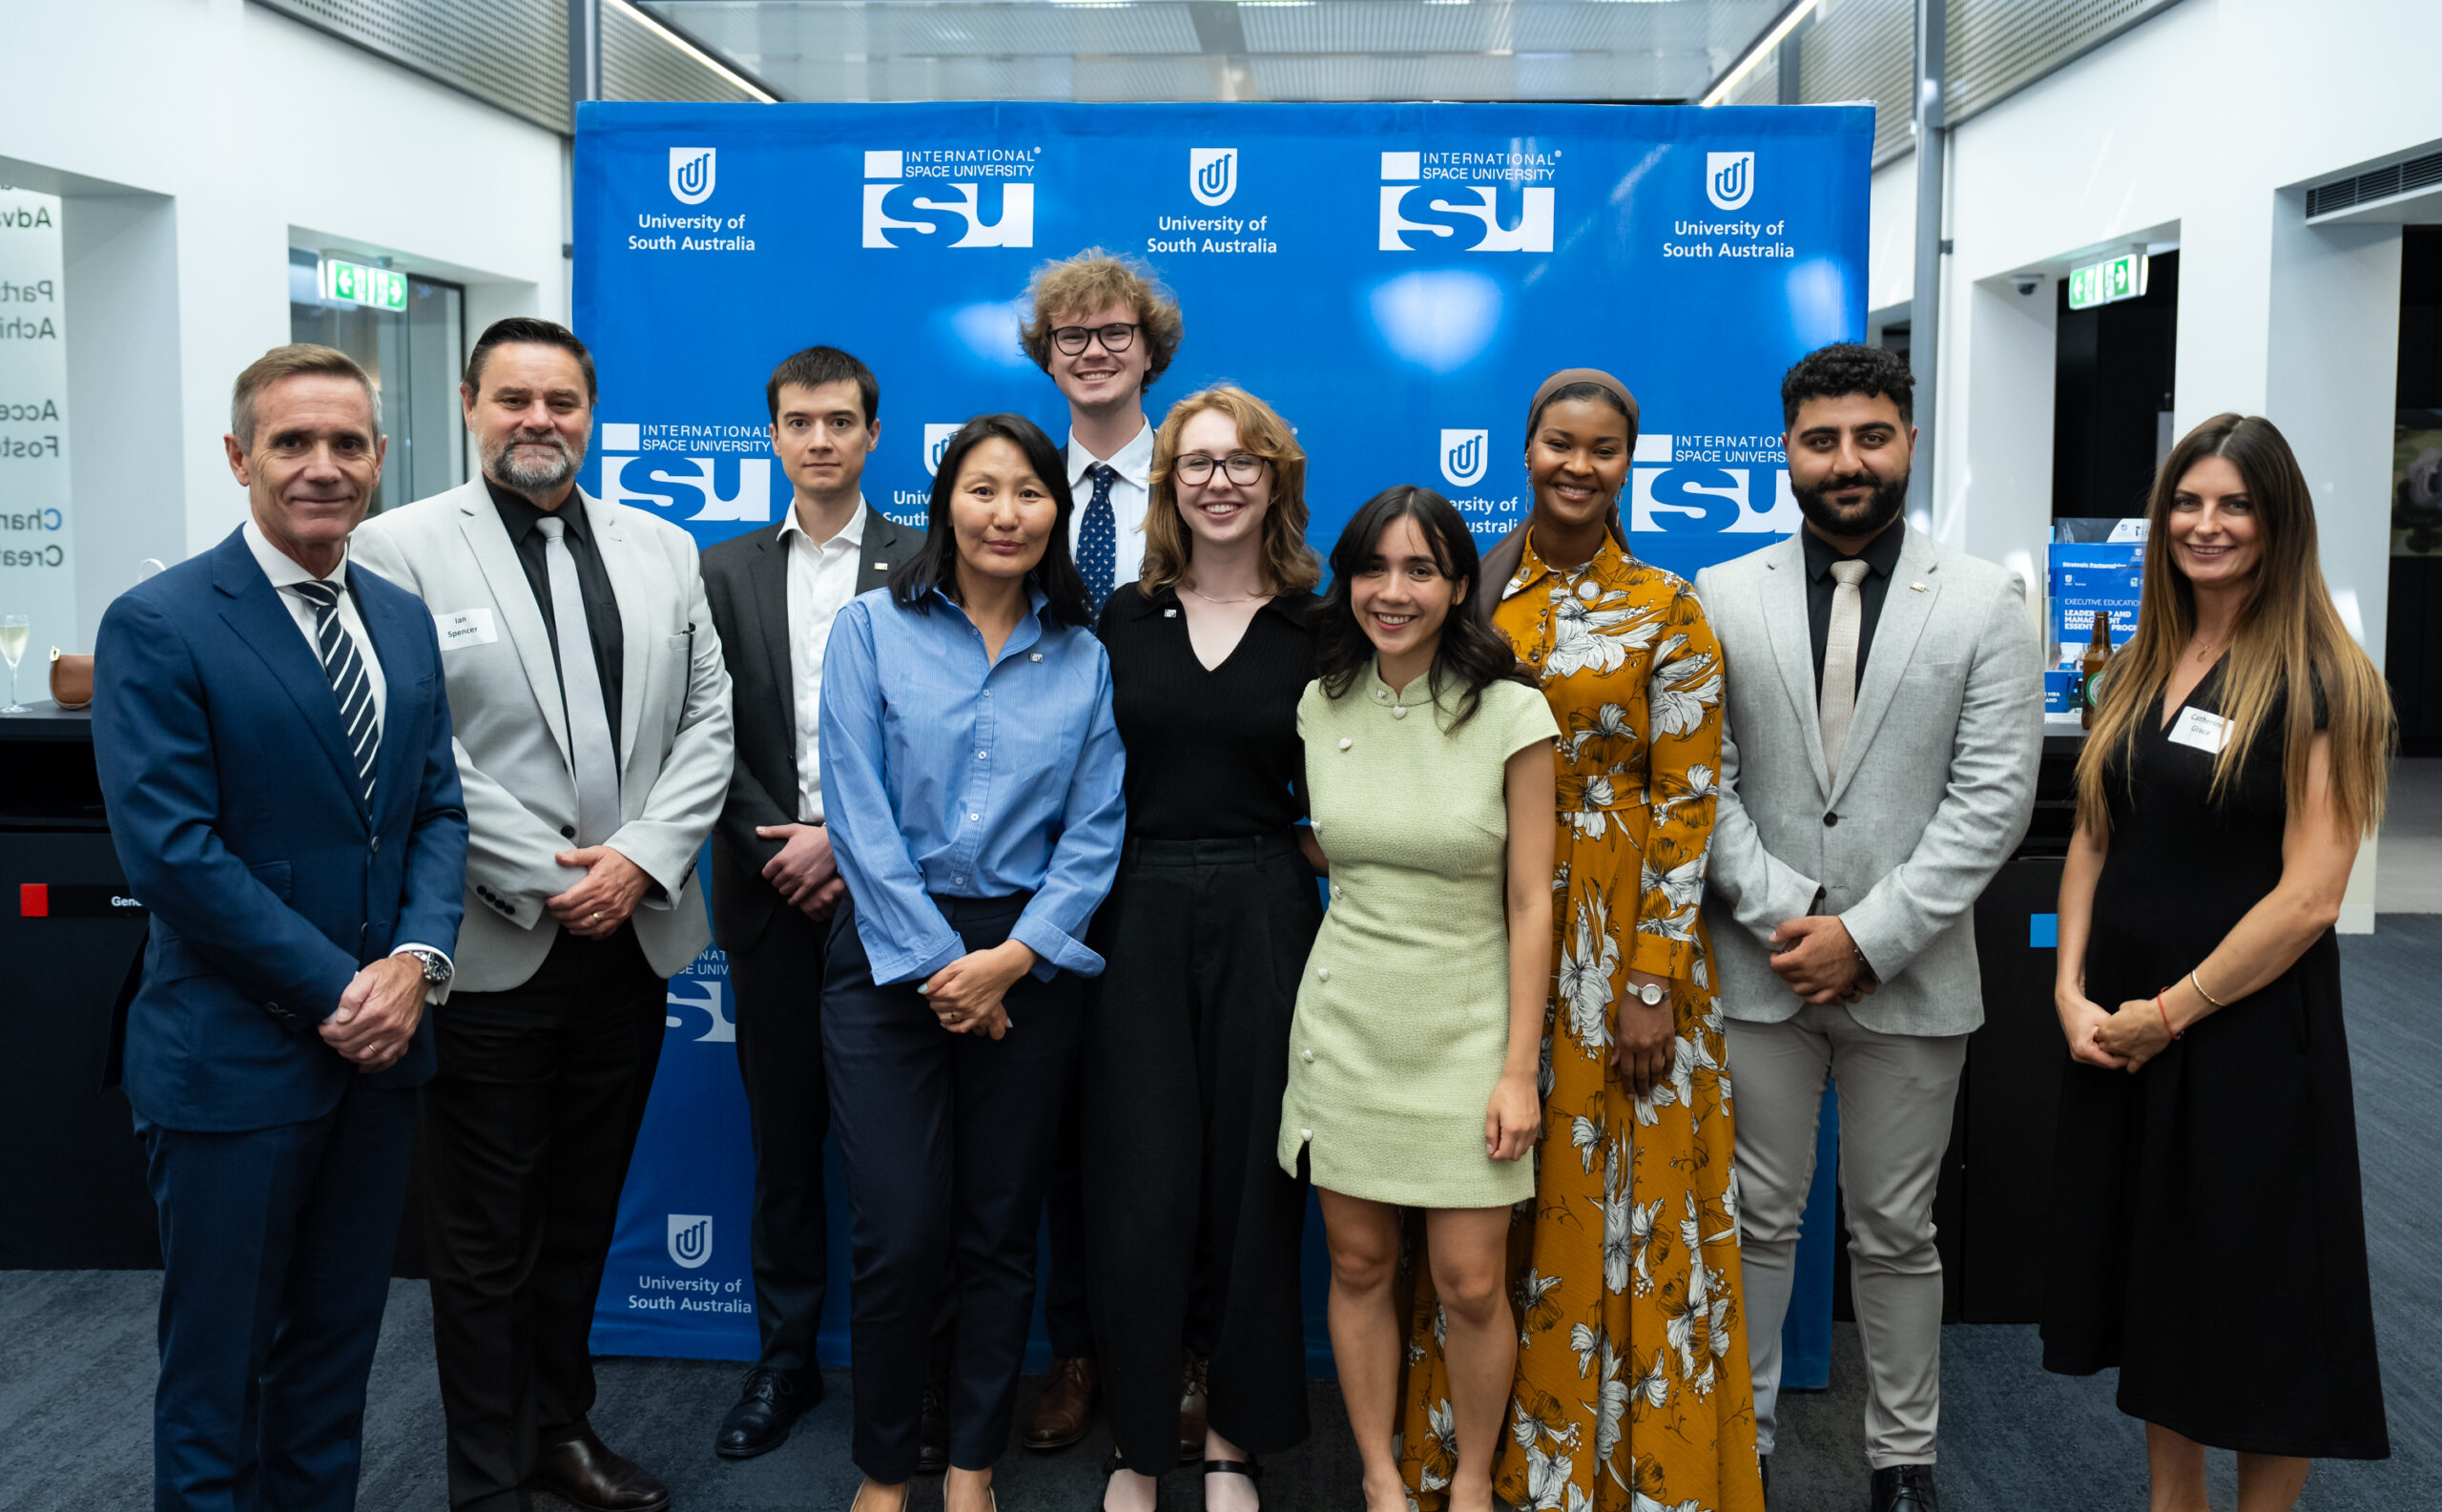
(1883, 723)
(593, 740)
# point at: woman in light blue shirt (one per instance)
(971, 783)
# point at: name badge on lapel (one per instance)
(2208, 732)
(468, 627)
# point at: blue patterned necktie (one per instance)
(1098, 542)
(349, 684)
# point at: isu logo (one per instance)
(706, 998)
(1212, 174)
(1464, 456)
(899, 214)
(691, 1240)
(1729, 179)
(1469, 219)
(690, 174)
(937, 440)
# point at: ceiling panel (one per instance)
(1207, 50)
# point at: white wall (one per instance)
(190, 138)
(2199, 126)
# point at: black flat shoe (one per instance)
(771, 1401)
(1251, 1467)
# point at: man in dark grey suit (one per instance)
(774, 593)
(1885, 714)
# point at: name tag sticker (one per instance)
(468, 627)
(2209, 733)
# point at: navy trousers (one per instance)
(946, 1139)
(276, 1251)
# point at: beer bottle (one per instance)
(2090, 668)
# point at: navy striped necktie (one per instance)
(349, 684)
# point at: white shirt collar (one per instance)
(1134, 462)
(853, 533)
(285, 571)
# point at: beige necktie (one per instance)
(590, 742)
(1838, 703)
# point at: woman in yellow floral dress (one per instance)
(1632, 1389)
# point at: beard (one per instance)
(502, 462)
(1878, 510)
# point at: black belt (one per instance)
(1242, 850)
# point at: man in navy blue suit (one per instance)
(274, 741)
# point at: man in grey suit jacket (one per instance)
(774, 593)
(1883, 723)
(593, 721)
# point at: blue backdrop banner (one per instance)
(1395, 280)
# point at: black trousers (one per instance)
(944, 1138)
(527, 1130)
(778, 984)
(1193, 1228)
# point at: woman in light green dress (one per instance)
(1413, 1053)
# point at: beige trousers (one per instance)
(1895, 1092)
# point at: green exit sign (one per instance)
(353, 283)
(2119, 278)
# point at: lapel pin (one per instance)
(1169, 613)
(1916, 588)
(1034, 655)
(881, 567)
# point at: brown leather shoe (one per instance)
(1066, 1409)
(588, 1475)
(1195, 1401)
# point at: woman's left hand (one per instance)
(966, 995)
(2136, 1033)
(1513, 1119)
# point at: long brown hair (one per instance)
(1288, 563)
(2288, 640)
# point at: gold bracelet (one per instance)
(2202, 993)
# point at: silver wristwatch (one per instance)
(436, 965)
(1652, 993)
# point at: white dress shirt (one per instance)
(822, 580)
(286, 572)
(1129, 493)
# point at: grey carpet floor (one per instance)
(76, 1368)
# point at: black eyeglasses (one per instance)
(1116, 338)
(1196, 469)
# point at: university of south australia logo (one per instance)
(691, 1240)
(937, 440)
(1464, 455)
(1729, 179)
(1212, 174)
(690, 174)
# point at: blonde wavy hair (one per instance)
(1290, 565)
(1076, 287)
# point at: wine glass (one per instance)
(13, 629)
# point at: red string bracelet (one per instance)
(2166, 1015)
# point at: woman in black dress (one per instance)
(2208, 1231)
(1192, 1230)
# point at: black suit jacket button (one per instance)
(1830, 819)
(568, 832)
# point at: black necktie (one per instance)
(349, 684)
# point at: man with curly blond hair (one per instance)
(1104, 328)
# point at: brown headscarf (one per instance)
(1501, 563)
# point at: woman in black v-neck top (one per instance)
(1192, 1231)
(2209, 1236)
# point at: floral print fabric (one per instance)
(1632, 1389)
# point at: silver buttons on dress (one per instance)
(1398, 711)
(1338, 893)
(1322, 973)
(1308, 1056)
(1345, 742)
(1305, 1137)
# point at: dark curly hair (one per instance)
(1843, 368)
(1471, 653)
